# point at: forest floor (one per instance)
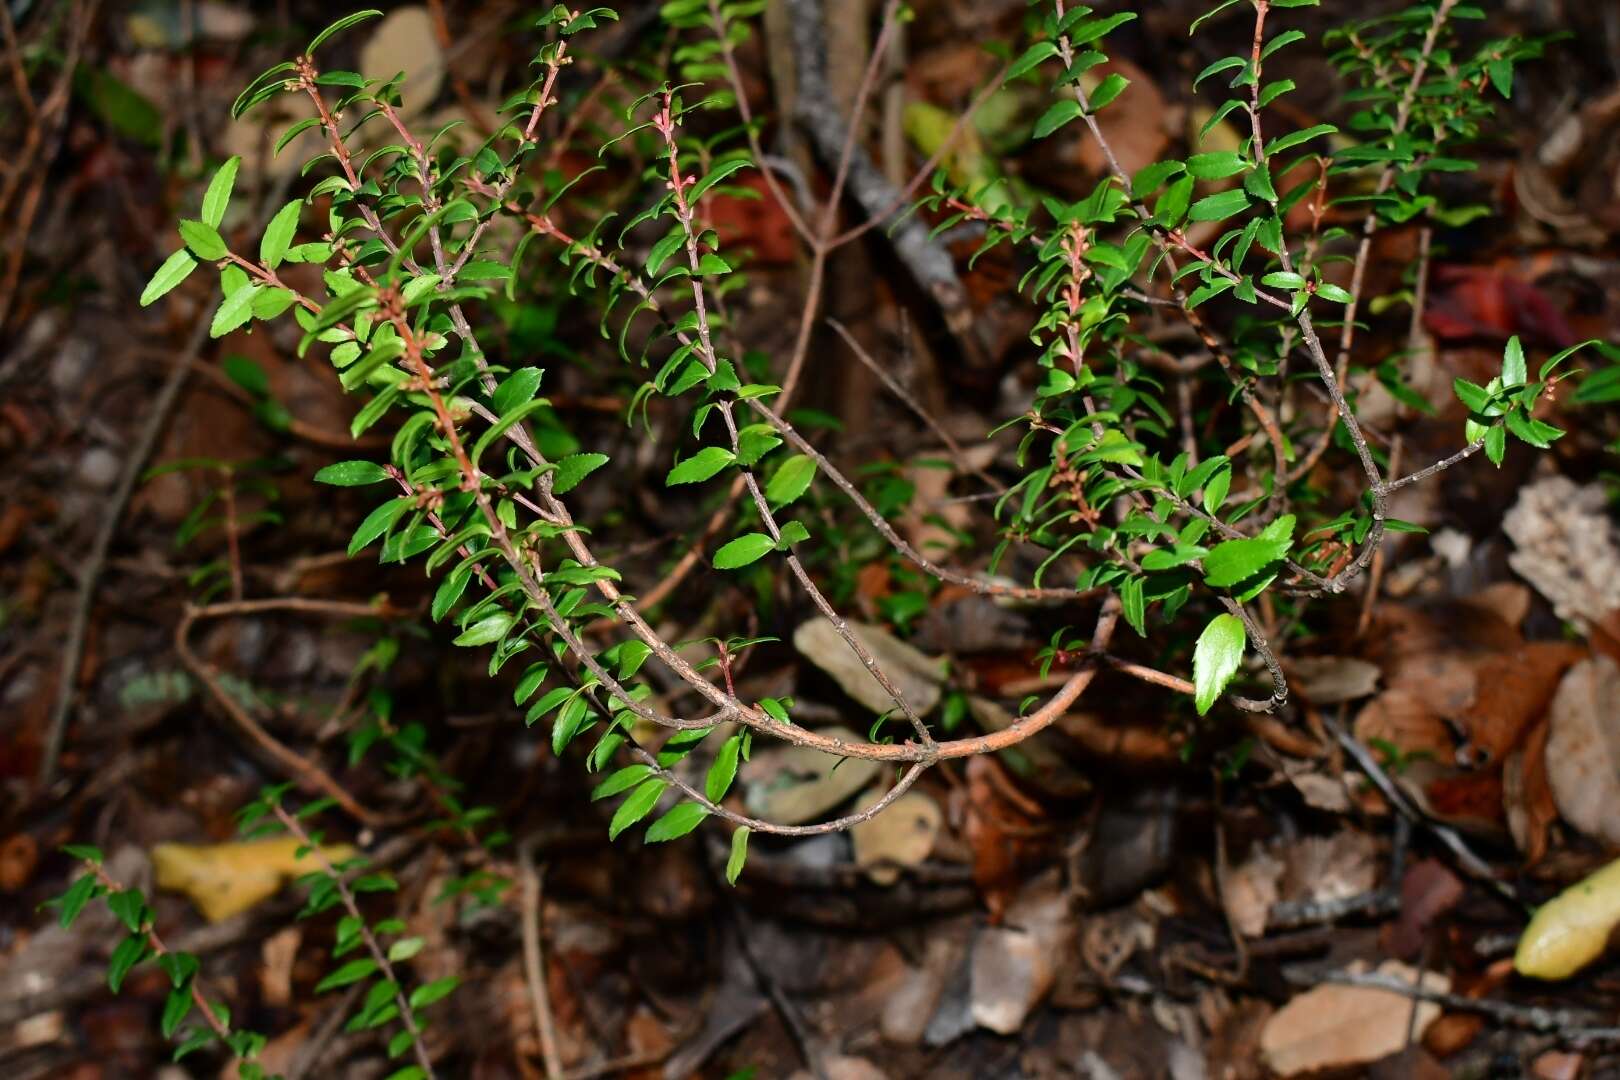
(1131, 894)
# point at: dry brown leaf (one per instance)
(1133, 126)
(227, 879)
(1335, 1026)
(1527, 796)
(1401, 718)
(1514, 690)
(902, 835)
(1583, 748)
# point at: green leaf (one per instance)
(486, 630)
(1475, 397)
(574, 468)
(1293, 139)
(278, 235)
(724, 769)
(218, 195)
(622, 780)
(1033, 57)
(175, 269)
(746, 549)
(176, 1007)
(130, 951)
(700, 466)
(1496, 444)
(203, 240)
(1501, 73)
(1514, 372)
(1329, 291)
(1107, 90)
(235, 310)
(1238, 560)
(1055, 117)
(791, 480)
(680, 820)
(516, 389)
(340, 26)
(379, 521)
(739, 854)
(636, 807)
(78, 894)
(504, 424)
(437, 990)
(352, 972)
(130, 908)
(352, 474)
(1151, 178)
(1220, 206)
(1216, 658)
(1216, 166)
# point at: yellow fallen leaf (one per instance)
(1572, 929)
(228, 879)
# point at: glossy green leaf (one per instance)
(1216, 659)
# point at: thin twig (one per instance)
(534, 971)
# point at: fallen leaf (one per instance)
(1568, 548)
(796, 784)
(1527, 797)
(1572, 929)
(227, 879)
(1334, 1026)
(405, 41)
(902, 835)
(1133, 126)
(916, 676)
(1583, 748)
(1332, 680)
(1250, 890)
(1013, 966)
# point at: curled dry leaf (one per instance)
(1567, 547)
(805, 783)
(227, 879)
(902, 835)
(1334, 1026)
(914, 674)
(1527, 796)
(1583, 748)
(1572, 929)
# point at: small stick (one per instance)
(533, 967)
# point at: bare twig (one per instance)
(533, 968)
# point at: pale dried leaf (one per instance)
(902, 835)
(796, 784)
(1334, 1026)
(404, 41)
(1250, 890)
(914, 674)
(1567, 547)
(1583, 748)
(1331, 680)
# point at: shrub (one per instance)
(1181, 529)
